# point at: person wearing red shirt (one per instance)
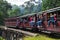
(32, 21)
(55, 19)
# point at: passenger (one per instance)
(24, 21)
(21, 20)
(55, 20)
(17, 22)
(44, 20)
(32, 21)
(39, 21)
(45, 17)
(51, 20)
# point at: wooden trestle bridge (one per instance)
(14, 34)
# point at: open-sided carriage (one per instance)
(24, 21)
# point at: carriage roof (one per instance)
(47, 11)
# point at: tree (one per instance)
(48, 4)
(33, 6)
(15, 11)
(4, 7)
(27, 8)
(30, 6)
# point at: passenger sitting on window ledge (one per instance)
(32, 22)
(39, 21)
(51, 20)
(17, 22)
(55, 19)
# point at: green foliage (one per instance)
(48, 4)
(32, 7)
(4, 7)
(14, 12)
(6, 11)
(40, 37)
(1, 38)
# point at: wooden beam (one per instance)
(20, 31)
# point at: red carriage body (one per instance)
(12, 22)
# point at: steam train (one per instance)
(24, 21)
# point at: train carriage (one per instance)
(24, 21)
(52, 28)
(11, 22)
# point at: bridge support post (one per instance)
(4, 33)
(19, 36)
(14, 34)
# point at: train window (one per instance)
(6, 20)
(58, 16)
(27, 18)
(48, 15)
(13, 20)
(21, 20)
